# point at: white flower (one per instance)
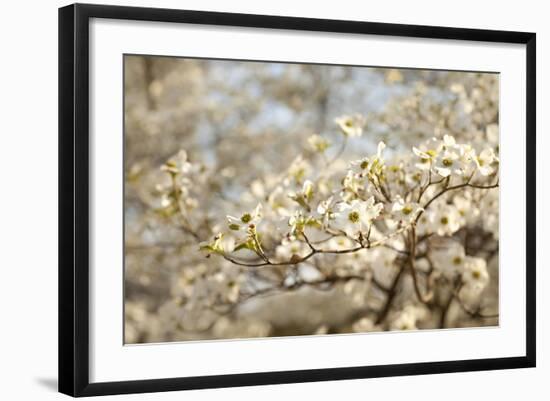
(290, 247)
(369, 166)
(449, 259)
(166, 200)
(377, 163)
(326, 210)
(466, 160)
(353, 186)
(304, 196)
(405, 211)
(405, 321)
(222, 243)
(339, 243)
(361, 165)
(178, 164)
(298, 222)
(469, 212)
(475, 276)
(449, 141)
(299, 169)
(485, 160)
(247, 220)
(356, 216)
(325, 207)
(317, 143)
(279, 201)
(446, 156)
(407, 318)
(448, 163)
(445, 219)
(426, 158)
(427, 153)
(364, 325)
(257, 188)
(351, 126)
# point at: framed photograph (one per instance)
(251, 199)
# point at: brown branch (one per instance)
(425, 299)
(390, 297)
(280, 287)
(454, 187)
(314, 251)
(445, 311)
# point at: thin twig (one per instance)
(314, 251)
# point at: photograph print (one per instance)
(270, 199)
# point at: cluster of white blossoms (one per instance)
(176, 190)
(407, 318)
(452, 262)
(381, 216)
(350, 235)
(354, 218)
(351, 126)
(448, 158)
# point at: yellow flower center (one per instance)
(444, 220)
(447, 162)
(364, 164)
(431, 152)
(245, 218)
(353, 217)
(407, 210)
(476, 274)
(457, 260)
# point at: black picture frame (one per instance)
(74, 198)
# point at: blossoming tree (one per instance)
(394, 240)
